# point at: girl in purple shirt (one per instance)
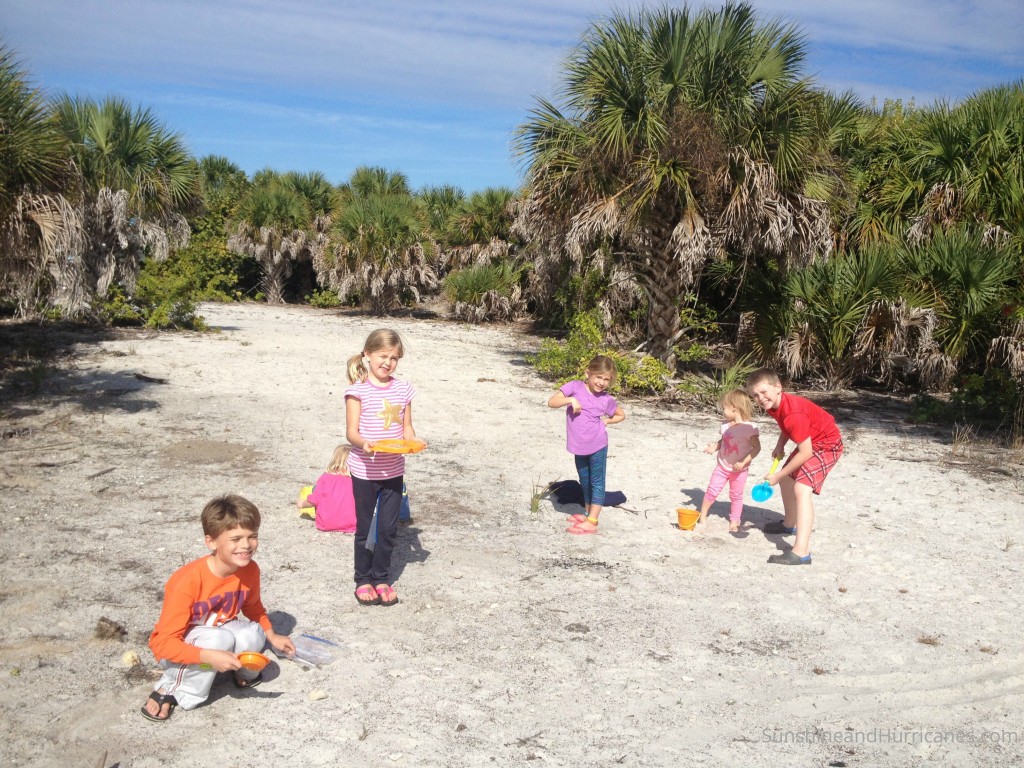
(588, 410)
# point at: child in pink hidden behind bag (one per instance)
(332, 495)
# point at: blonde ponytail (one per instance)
(356, 370)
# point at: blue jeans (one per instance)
(591, 470)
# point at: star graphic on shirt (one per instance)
(390, 414)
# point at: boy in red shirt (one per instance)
(818, 448)
(212, 611)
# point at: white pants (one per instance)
(190, 683)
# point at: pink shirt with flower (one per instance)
(736, 442)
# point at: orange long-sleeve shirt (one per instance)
(196, 596)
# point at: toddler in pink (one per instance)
(332, 495)
(736, 448)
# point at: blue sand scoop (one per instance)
(763, 491)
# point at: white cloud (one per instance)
(425, 79)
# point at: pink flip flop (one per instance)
(576, 530)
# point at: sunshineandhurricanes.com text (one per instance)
(912, 736)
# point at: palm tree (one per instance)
(39, 229)
(827, 319)
(222, 184)
(934, 168)
(137, 181)
(684, 136)
(282, 221)
(970, 281)
(444, 206)
(382, 242)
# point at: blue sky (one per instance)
(435, 88)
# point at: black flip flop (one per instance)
(161, 699)
(245, 685)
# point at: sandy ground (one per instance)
(514, 643)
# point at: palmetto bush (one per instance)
(900, 313)
(486, 292)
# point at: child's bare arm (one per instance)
(713, 447)
(780, 447)
(407, 429)
(301, 502)
(803, 453)
(616, 417)
(281, 643)
(755, 448)
(559, 400)
(353, 409)
(222, 661)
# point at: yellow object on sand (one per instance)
(687, 518)
(309, 512)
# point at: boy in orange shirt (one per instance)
(200, 629)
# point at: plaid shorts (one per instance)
(814, 471)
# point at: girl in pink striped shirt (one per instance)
(377, 406)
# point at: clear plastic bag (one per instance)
(314, 650)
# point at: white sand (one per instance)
(514, 643)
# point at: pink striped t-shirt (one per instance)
(381, 415)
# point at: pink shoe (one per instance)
(578, 530)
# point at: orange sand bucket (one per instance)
(687, 518)
(254, 662)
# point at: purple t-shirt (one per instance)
(584, 431)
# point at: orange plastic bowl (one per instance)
(399, 446)
(253, 661)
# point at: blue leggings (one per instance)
(591, 470)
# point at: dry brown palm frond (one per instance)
(692, 244)
(797, 350)
(603, 219)
(622, 300)
(41, 242)
(758, 217)
(492, 306)
(996, 236)
(1008, 351)
(812, 236)
(942, 207)
(476, 254)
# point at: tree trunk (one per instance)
(664, 327)
(275, 275)
(662, 280)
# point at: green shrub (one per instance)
(162, 299)
(992, 398)
(709, 389)
(325, 299)
(989, 396)
(565, 361)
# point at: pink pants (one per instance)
(737, 481)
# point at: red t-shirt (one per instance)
(799, 419)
